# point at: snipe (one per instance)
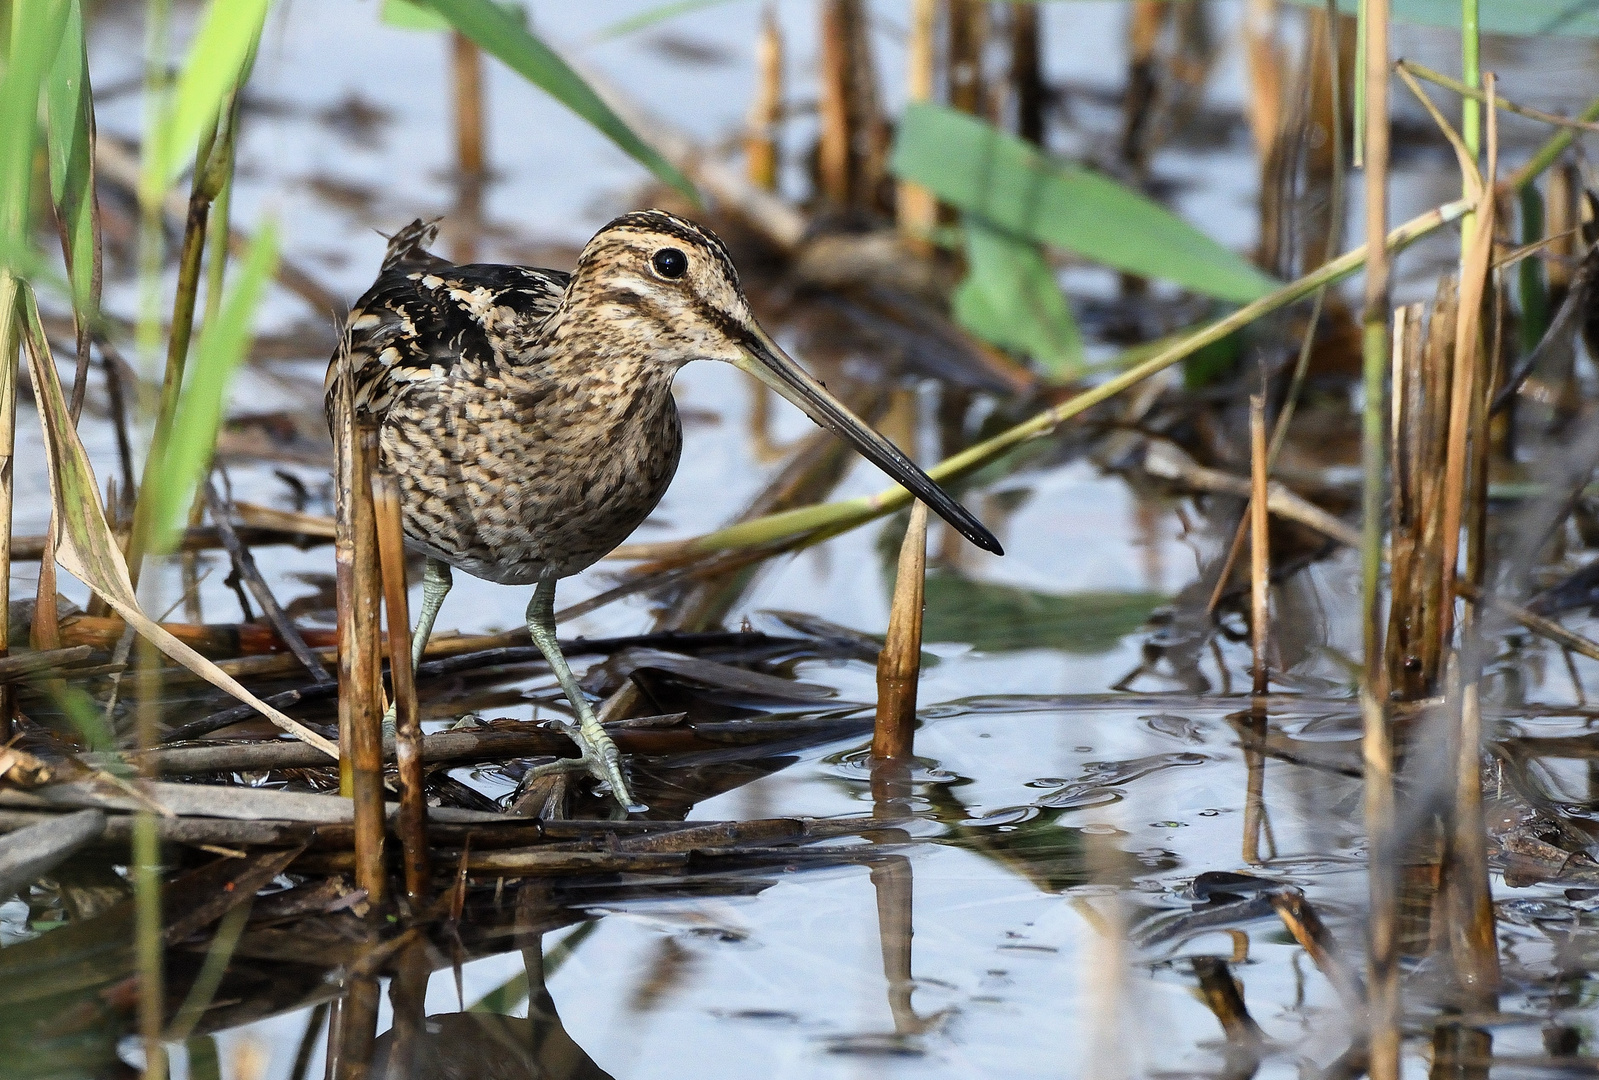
(528, 413)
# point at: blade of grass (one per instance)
(216, 64)
(212, 166)
(85, 545)
(223, 345)
(501, 35)
(36, 32)
(69, 109)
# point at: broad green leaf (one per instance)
(1010, 298)
(977, 167)
(84, 544)
(1004, 618)
(224, 341)
(221, 49)
(502, 36)
(409, 15)
(69, 109)
(1533, 18)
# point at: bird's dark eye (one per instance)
(670, 263)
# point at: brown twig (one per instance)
(1259, 543)
(244, 565)
(407, 724)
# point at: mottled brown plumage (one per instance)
(528, 413)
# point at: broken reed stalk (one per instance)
(1259, 543)
(761, 158)
(915, 208)
(360, 691)
(852, 146)
(412, 822)
(1473, 936)
(1027, 72)
(1376, 744)
(466, 69)
(900, 663)
(968, 36)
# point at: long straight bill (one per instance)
(778, 370)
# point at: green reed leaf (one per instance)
(1010, 298)
(224, 342)
(504, 37)
(35, 38)
(216, 60)
(69, 112)
(980, 169)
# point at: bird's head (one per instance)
(672, 285)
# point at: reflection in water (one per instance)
(476, 1045)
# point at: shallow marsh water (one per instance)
(1058, 836)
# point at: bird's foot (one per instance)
(600, 758)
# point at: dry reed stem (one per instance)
(968, 36)
(1467, 344)
(412, 823)
(244, 565)
(899, 664)
(1221, 994)
(1259, 543)
(1473, 937)
(766, 111)
(1313, 936)
(1437, 78)
(1383, 1013)
(1266, 64)
(833, 142)
(1027, 85)
(1539, 625)
(915, 208)
(358, 589)
(466, 70)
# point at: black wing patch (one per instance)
(424, 315)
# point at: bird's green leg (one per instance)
(600, 754)
(436, 582)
